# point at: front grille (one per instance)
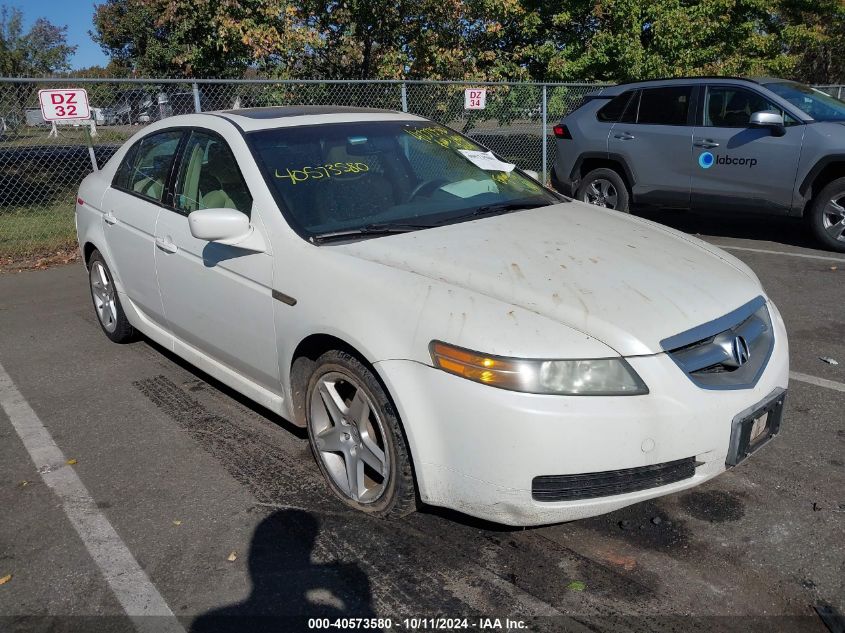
(610, 482)
(707, 354)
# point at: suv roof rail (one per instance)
(643, 81)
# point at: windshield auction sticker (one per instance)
(486, 160)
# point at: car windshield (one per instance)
(387, 176)
(819, 105)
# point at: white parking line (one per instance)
(827, 258)
(819, 382)
(130, 584)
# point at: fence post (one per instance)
(404, 97)
(839, 93)
(197, 104)
(543, 136)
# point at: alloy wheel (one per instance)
(833, 217)
(349, 436)
(601, 193)
(102, 290)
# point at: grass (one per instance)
(27, 232)
(67, 135)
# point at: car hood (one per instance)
(627, 282)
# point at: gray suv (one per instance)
(744, 145)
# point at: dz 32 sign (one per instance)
(65, 104)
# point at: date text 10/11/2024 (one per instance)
(419, 624)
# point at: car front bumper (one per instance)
(477, 449)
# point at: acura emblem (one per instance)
(740, 351)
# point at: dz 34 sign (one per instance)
(475, 98)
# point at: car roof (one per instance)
(251, 119)
(669, 81)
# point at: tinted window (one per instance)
(729, 106)
(613, 110)
(665, 106)
(148, 164)
(209, 177)
(345, 176)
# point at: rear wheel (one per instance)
(827, 215)
(356, 437)
(107, 306)
(604, 187)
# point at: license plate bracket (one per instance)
(754, 427)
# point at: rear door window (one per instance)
(147, 165)
(665, 106)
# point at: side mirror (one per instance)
(769, 120)
(225, 226)
(534, 174)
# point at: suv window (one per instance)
(731, 106)
(613, 110)
(146, 166)
(665, 106)
(209, 177)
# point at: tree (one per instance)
(42, 50)
(815, 30)
(199, 38)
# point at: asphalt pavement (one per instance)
(222, 511)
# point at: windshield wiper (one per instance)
(502, 207)
(370, 230)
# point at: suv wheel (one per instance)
(827, 215)
(356, 437)
(604, 187)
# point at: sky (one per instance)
(74, 14)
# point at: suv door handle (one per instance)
(624, 136)
(166, 245)
(707, 144)
(109, 218)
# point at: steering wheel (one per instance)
(427, 187)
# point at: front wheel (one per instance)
(827, 216)
(356, 437)
(603, 187)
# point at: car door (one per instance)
(736, 166)
(654, 140)
(131, 207)
(217, 298)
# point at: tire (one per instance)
(107, 308)
(827, 216)
(339, 390)
(604, 187)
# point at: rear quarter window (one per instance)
(614, 109)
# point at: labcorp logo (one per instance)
(706, 160)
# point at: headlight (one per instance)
(590, 377)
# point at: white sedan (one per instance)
(448, 330)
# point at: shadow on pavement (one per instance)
(772, 228)
(288, 588)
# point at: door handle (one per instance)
(109, 218)
(166, 245)
(624, 136)
(706, 144)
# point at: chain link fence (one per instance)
(41, 165)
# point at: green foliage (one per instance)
(40, 51)
(565, 40)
